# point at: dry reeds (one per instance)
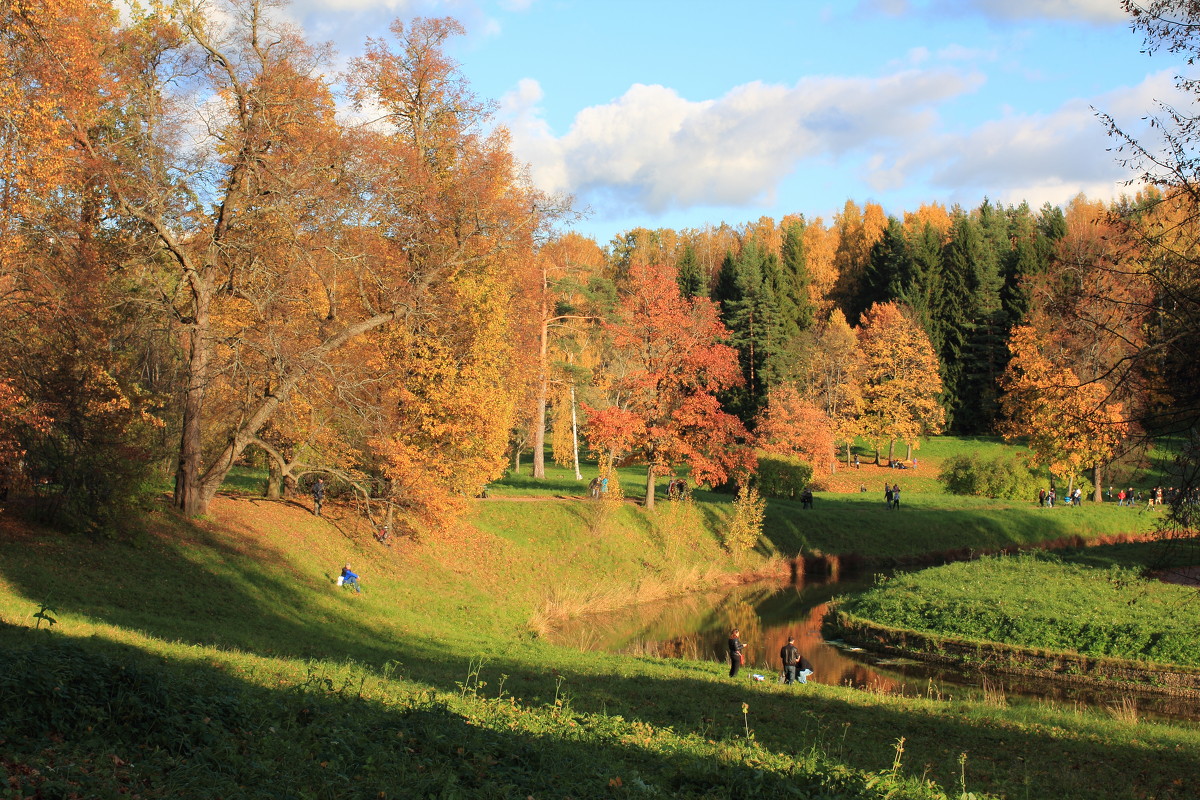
(994, 694)
(1125, 710)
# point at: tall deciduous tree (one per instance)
(900, 382)
(565, 267)
(832, 379)
(276, 234)
(1069, 424)
(668, 412)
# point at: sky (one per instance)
(687, 113)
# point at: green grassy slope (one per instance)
(431, 681)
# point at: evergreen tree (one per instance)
(750, 311)
(890, 269)
(690, 275)
(795, 300)
(923, 291)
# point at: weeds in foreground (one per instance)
(43, 614)
(1126, 710)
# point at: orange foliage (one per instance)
(668, 412)
(900, 379)
(793, 426)
(820, 247)
(1069, 424)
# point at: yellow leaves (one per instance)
(1070, 424)
(900, 376)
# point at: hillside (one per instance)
(212, 633)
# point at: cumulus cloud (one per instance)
(655, 150)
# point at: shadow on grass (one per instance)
(99, 720)
(236, 597)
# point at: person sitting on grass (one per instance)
(348, 578)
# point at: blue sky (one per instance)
(674, 113)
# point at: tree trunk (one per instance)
(909, 456)
(1097, 495)
(575, 437)
(877, 456)
(189, 496)
(539, 418)
(650, 486)
(274, 479)
(891, 450)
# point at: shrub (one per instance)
(782, 476)
(1004, 476)
(748, 511)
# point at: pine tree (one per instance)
(690, 275)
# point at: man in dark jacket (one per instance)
(790, 657)
(318, 492)
(795, 666)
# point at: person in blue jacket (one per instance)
(350, 579)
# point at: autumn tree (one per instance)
(571, 296)
(667, 411)
(75, 341)
(900, 382)
(832, 381)
(1069, 424)
(793, 426)
(276, 234)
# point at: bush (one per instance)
(1004, 476)
(782, 476)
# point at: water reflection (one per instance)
(697, 627)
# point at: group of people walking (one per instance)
(892, 495)
(796, 668)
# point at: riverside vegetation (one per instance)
(216, 658)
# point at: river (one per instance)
(697, 627)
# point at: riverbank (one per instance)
(1080, 617)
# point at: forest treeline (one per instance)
(217, 249)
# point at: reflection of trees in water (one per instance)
(697, 627)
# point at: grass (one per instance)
(202, 655)
(1042, 601)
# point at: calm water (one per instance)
(697, 627)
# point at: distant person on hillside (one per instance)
(856, 464)
(318, 492)
(896, 496)
(1042, 498)
(887, 495)
(1121, 497)
(349, 578)
(736, 657)
(806, 498)
(594, 487)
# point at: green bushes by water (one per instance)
(1041, 601)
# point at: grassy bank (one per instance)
(1043, 601)
(236, 619)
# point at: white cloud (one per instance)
(1097, 11)
(1031, 155)
(655, 150)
